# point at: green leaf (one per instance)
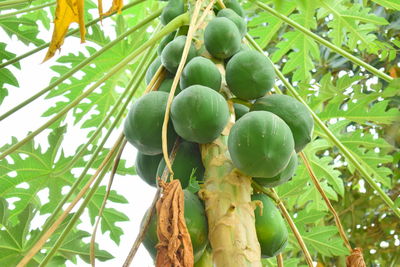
(300, 49)
(25, 29)
(324, 240)
(352, 25)
(391, 4)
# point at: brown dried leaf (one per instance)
(175, 247)
(356, 259)
(67, 11)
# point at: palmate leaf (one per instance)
(101, 100)
(16, 239)
(369, 150)
(391, 4)
(301, 191)
(352, 24)
(24, 29)
(324, 240)
(264, 27)
(6, 76)
(45, 170)
(300, 49)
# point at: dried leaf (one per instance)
(67, 11)
(356, 259)
(175, 247)
(116, 6)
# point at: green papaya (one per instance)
(283, 176)
(260, 144)
(240, 110)
(249, 75)
(151, 71)
(196, 223)
(187, 159)
(222, 38)
(173, 9)
(142, 127)
(165, 41)
(172, 53)
(235, 18)
(202, 71)
(271, 230)
(166, 85)
(235, 6)
(199, 114)
(146, 167)
(293, 112)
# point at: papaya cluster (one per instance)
(263, 143)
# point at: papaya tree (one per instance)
(267, 131)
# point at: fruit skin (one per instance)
(235, 18)
(196, 223)
(165, 41)
(152, 69)
(293, 112)
(146, 167)
(173, 9)
(260, 144)
(240, 110)
(235, 6)
(271, 229)
(283, 176)
(144, 122)
(166, 85)
(202, 71)
(249, 75)
(172, 53)
(222, 38)
(199, 114)
(187, 158)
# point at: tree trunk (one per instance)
(230, 212)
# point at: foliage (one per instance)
(362, 112)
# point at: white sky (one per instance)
(35, 76)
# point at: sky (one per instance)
(35, 76)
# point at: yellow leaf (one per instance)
(116, 6)
(67, 11)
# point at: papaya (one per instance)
(235, 6)
(293, 112)
(146, 167)
(187, 159)
(202, 71)
(142, 127)
(235, 18)
(271, 230)
(196, 223)
(222, 38)
(151, 71)
(260, 144)
(173, 9)
(240, 110)
(165, 41)
(283, 176)
(166, 85)
(172, 53)
(199, 114)
(249, 75)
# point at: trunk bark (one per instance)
(230, 212)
